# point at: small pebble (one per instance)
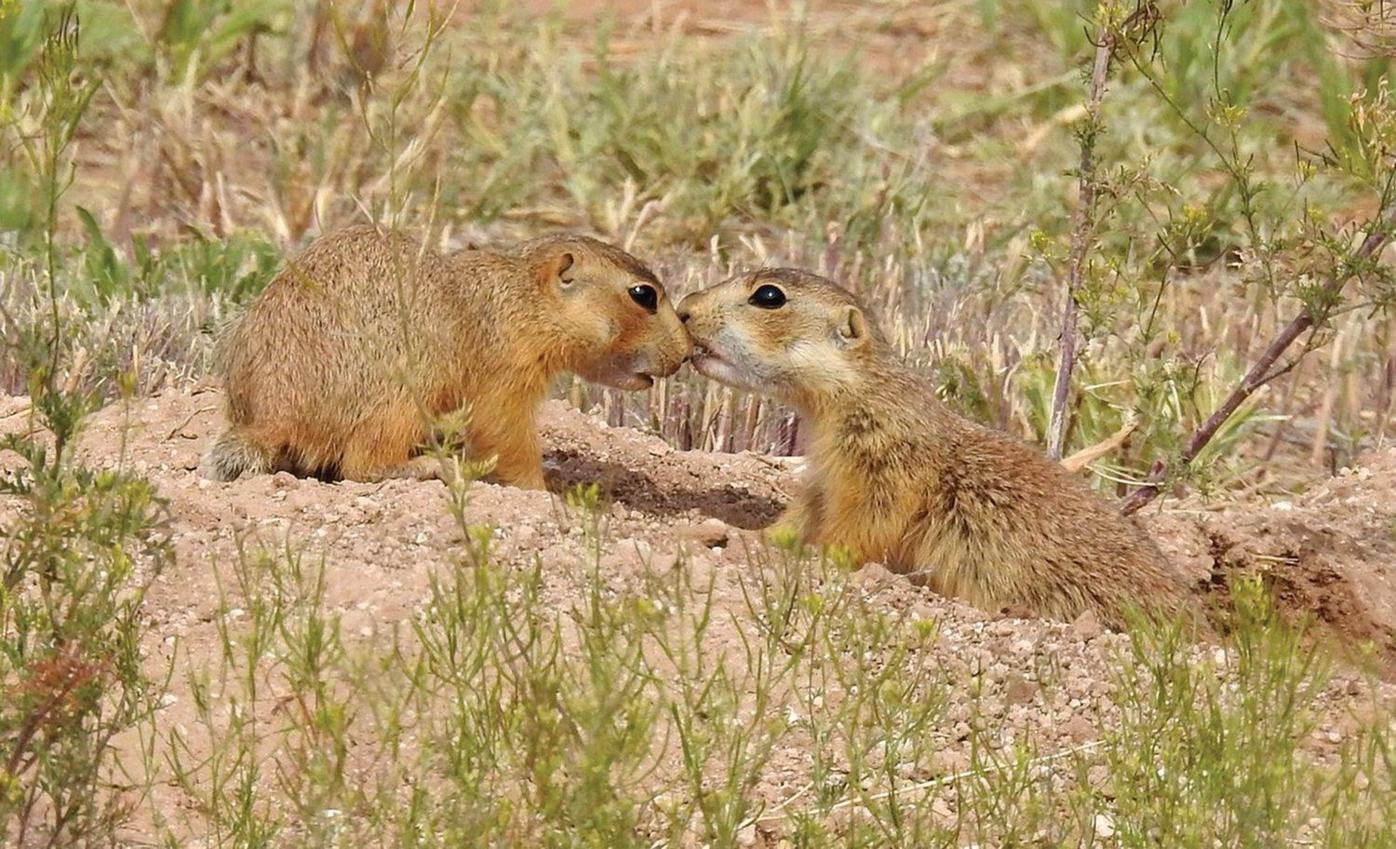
(1019, 690)
(1104, 826)
(1087, 626)
(709, 533)
(1079, 729)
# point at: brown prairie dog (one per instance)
(895, 476)
(341, 365)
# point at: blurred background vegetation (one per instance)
(159, 159)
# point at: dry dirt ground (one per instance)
(1328, 553)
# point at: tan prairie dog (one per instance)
(341, 365)
(896, 477)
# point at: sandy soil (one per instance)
(1329, 554)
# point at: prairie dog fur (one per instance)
(895, 476)
(341, 365)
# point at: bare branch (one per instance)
(1080, 244)
(1263, 370)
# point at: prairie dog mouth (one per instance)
(704, 350)
(632, 381)
(708, 360)
(619, 378)
(704, 353)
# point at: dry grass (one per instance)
(919, 172)
(154, 177)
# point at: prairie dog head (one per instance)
(780, 332)
(618, 325)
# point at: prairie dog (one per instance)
(895, 476)
(340, 366)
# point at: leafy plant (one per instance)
(78, 560)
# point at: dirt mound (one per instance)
(382, 540)
(1328, 554)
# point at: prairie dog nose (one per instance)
(685, 307)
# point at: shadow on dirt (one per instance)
(636, 489)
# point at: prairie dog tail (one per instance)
(232, 456)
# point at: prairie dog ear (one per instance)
(557, 270)
(852, 327)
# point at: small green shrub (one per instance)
(78, 559)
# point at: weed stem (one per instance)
(1080, 244)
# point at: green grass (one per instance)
(157, 163)
(495, 718)
(79, 557)
(943, 198)
(677, 705)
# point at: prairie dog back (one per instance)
(340, 366)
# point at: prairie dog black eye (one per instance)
(645, 296)
(767, 297)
